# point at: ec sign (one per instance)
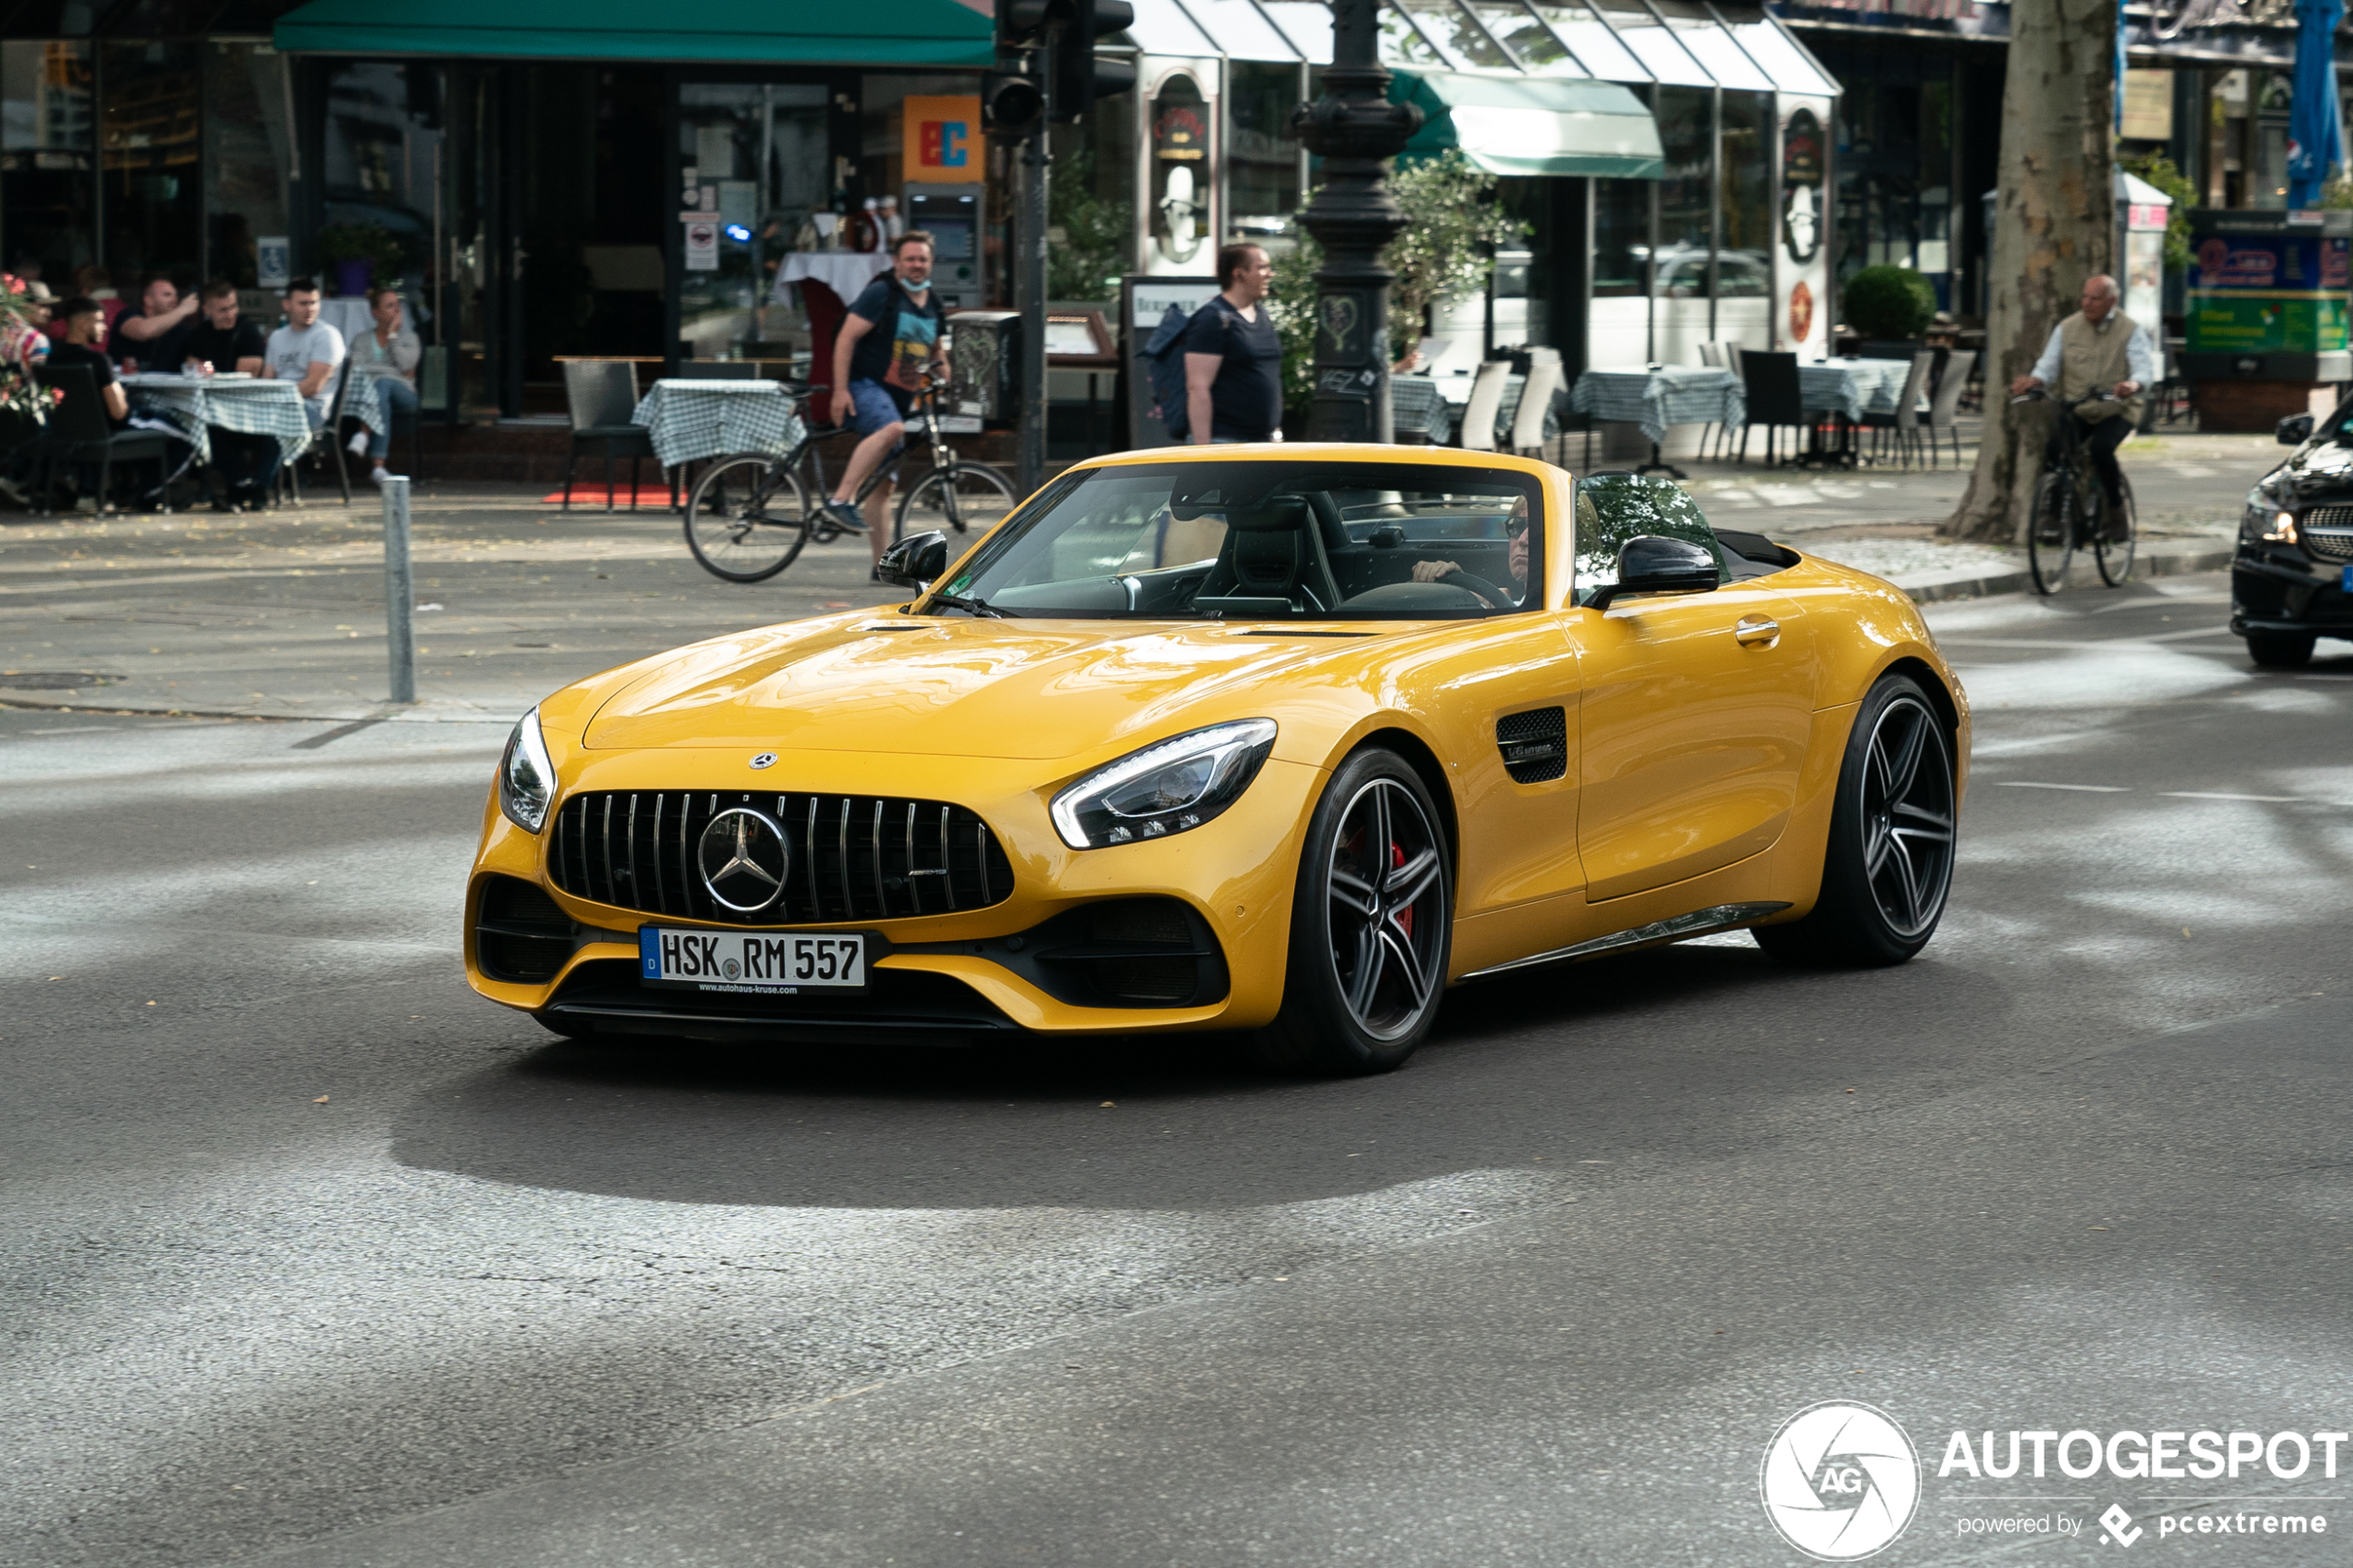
(939, 141)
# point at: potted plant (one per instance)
(1888, 307)
(20, 396)
(357, 254)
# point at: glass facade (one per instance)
(1262, 151)
(48, 154)
(150, 155)
(1685, 237)
(248, 148)
(1744, 197)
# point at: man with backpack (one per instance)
(889, 342)
(1232, 358)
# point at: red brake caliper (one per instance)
(1397, 862)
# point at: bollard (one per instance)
(400, 591)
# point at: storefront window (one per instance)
(757, 158)
(1744, 265)
(246, 154)
(150, 157)
(47, 137)
(1621, 236)
(1262, 161)
(1091, 224)
(1686, 197)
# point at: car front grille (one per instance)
(2327, 531)
(851, 857)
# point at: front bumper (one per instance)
(2283, 590)
(940, 978)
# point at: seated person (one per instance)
(243, 464)
(393, 350)
(305, 351)
(1453, 576)
(84, 343)
(151, 339)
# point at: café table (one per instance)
(361, 401)
(1848, 389)
(694, 420)
(1659, 396)
(196, 405)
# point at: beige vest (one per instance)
(2094, 356)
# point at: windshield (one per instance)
(1266, 541)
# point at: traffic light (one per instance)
(1081, 75)
(1010, 104)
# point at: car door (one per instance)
(1696, 707)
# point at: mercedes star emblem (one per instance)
(744, 859)
(765, 759)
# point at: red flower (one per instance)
(15, 285)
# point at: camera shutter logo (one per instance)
(1840, 1481)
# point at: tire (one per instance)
(965, 498)
(2050, 533)
(1368, 954)
(2114, 555)
(2280, 650)
(748, 518)
(1889, 863)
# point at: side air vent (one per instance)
(1535, 745)
(520, 936)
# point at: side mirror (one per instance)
(1651, 563)
(2294, 430)
(917, 561)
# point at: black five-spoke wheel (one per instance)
(1889, 862)
(1372, 926)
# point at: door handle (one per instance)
(1757, 631)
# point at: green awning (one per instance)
(1532, 124)
(911, 33)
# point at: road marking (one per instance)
(2208, 795)
(2088, 789)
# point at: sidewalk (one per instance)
(281, 615)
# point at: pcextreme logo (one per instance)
(1840, 1481)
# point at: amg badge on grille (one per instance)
(744, 859)
(765, 759)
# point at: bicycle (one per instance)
(762, 529)
(2068, 506)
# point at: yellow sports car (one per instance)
(1285, 739)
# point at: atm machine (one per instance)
(954, 216)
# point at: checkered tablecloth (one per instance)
(361, 401)
(1852, 387)
(196, 405)
(717, 418)
(1417, 407)
(1655, 399)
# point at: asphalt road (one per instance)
(310, 1256)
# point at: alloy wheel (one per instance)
(1907, 816)
(1386, 891)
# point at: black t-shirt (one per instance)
(157, 355)
(904, 337)
(64, 355)
(1246, 401)
(221, 349)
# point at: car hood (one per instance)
(943, 687)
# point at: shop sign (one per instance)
(702, 244)
(2148, 106)
(1801, 312)
(1180, 132)
(1802, 186)
(272, 261)
(1180, 175)
(2256, 293)
(939, 141)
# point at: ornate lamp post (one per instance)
(1355, 129)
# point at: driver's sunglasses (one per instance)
(1513, 526)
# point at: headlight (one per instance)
(2264, 521)
(527, 779)
(1170, 787)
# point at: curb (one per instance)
(2155, 563)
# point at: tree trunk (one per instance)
(2055, 225)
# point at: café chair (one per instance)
(1486, 399)
(601, 395)
(1775, 398)
(78, 431)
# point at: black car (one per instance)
(2293, 580)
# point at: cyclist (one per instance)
(2097, 348)
(889, 342)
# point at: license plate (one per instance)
(780, 962)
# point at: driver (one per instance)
(1515, 559)
(2098, 348)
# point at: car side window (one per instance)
(1614, 508)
